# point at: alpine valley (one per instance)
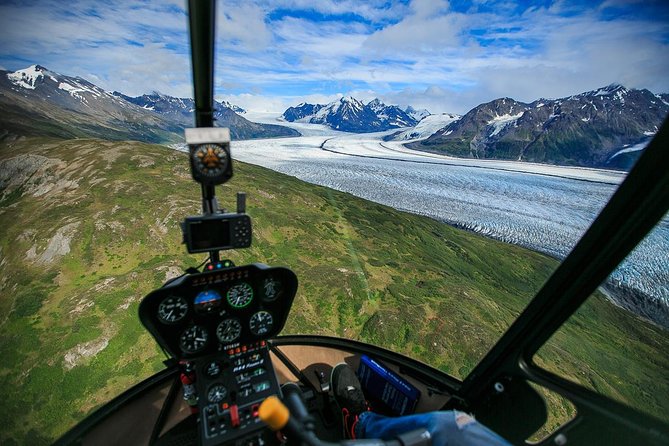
(604, 128)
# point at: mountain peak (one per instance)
(351, 115)
(416, 114)
(27, 77)
(608, 90)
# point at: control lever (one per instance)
(278, 417)
(241, 202)
(292, 398)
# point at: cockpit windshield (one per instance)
(423, 167)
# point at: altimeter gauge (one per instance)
(261, 323)
(193, 339)
(228, 330)
(172, 309)
(240, 295)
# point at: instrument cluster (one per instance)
(203, 313)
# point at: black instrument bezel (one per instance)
(188, 287)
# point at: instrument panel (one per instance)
(200, 314)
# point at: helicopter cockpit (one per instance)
(220, 327)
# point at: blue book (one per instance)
(382, 384)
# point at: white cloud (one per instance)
(124, 46)
(373, 10)
(242, 26)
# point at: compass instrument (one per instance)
(211, 163)
(210, 159)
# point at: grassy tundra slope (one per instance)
(89, 227)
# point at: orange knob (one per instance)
(273, 412)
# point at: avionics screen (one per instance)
(210, 234)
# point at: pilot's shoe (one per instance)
(347, 392)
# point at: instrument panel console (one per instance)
(218, 322)
(200, 314)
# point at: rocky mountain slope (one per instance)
(351, 115)
(602, 128)
(38, 101)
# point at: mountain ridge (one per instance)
(603, 128)
(39, 102)
(351, 115)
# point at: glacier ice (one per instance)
(544, 208)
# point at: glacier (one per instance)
(541, 207)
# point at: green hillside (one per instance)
(89, 227)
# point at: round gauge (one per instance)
(228, 330)
(207, 301)
(261, 323)
(213, 369)
(217, 393)
(272, 288)
(193, 339)
(210, 160)
(240, 295)
(172, 309)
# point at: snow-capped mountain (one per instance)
(416, 114)
(351, 115)
(235, 108)
(427, 126)
(588, 129)
(391, 115)
(38, 101)
(300, 112)
(176, 108)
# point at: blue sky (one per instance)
(444, 56)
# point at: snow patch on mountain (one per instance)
(500, 122)
(634, 148)
(28, 77)
(77, 90)
(428, 126)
